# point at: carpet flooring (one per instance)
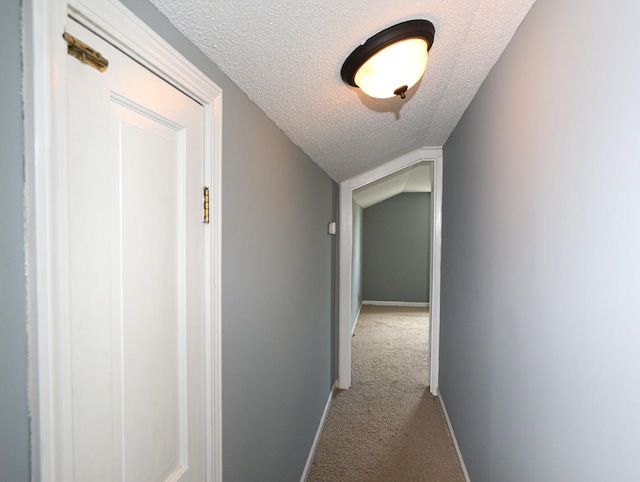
(387, 426)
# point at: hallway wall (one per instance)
(397, 248)
(540, 260)
(14, 416)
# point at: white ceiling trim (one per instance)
(397, 164)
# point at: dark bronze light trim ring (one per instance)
(402, 31)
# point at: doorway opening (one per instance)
(382, 180)
(391, 253)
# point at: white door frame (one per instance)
(425, 154)
(46, 222)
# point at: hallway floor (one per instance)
(387, 426)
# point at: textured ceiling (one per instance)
(286, 56)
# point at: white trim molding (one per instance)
(453, 438)
(436, 256)
(314, 445)
(408, 304)
(344, 283)
(355, 322)
(425, 154)
(46, 223)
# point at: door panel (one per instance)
(136, 273)
(153, 304)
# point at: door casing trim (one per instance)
(46, 222)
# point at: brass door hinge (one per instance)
(206, 205)
(84, 53)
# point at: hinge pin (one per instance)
(206, 205)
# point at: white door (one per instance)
(138, 351)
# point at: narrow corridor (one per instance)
(387, 426)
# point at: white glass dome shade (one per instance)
(399, 65)
(392, 61)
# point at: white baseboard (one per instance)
(396, 303)
(353, 328)
(314, 446)
(453, 437)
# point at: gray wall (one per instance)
(397, 246)
(541, 260)
(356, 261)
(14, 416)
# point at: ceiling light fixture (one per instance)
(392, 61)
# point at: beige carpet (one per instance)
(387, 427)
